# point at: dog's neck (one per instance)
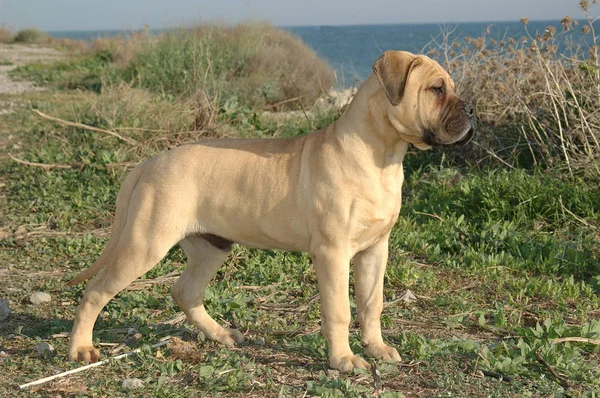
(367, 128)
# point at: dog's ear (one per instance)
(392, 70)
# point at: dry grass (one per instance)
(301, 73)
(36, 36)
(32, 36)
(544, 102)
(7, 34)
(155, 122)
(123, 48)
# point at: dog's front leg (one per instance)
(332, 267)
(369, 270)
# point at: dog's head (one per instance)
(422, 105)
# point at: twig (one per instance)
(91, 365)
(178, 319)
(43, 165)
(494, 155)
(86, 127)
(303, 110)
(576, 339)
(270, 106)
(498, 376)
(581, 220)
(430, 215)
(560, 380)
(130, 340)
(100, 233)
(171, 275)
(76, 165)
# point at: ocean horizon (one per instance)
(351, 49)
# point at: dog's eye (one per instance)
(438, 90)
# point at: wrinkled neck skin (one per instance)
(368, 134)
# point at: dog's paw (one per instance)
(384, 352)
(228, 337)
(85, 354)
(348, 362)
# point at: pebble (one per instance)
(4, 309)
(40, 297)
(132, 383)
(333, 374)
(44, 350)
(259, 341)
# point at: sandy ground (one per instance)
(13, 55)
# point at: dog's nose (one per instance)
(469, 110)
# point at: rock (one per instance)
(44, 350)
(132, 383)
(336, 98)
(408, 297)
(4, 309)
(3, 354)
(333, 374)
(20, 233)
(40, 297)
(259, 341)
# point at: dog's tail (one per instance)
(123, 198)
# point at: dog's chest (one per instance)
(376, 212)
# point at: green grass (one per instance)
(503, 262)
(256, 64)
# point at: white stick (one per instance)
(91, 365)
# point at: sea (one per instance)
(352, 49)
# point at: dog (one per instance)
(335, 193)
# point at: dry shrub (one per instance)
(32, 36)
(254, 62)
(154, 121)
(123, 48)
(539, 102)
(300, 72)
(7, 34)
(78, 47)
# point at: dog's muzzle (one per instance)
(467, 115)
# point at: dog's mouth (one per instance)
(431, 139)
(466, 139)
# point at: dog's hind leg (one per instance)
(146, 238)
(206, 253)
(131, 259)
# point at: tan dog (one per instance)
(334, 193)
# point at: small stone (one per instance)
(16, 146)
(259, 341)
(333, 374)
(40, 297)
(408, 297)
(3, 354)
(4, 309)
(44, 350)
(20, 233)
(132, 383)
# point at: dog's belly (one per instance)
(245, 191)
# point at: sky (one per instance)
(52, 15)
